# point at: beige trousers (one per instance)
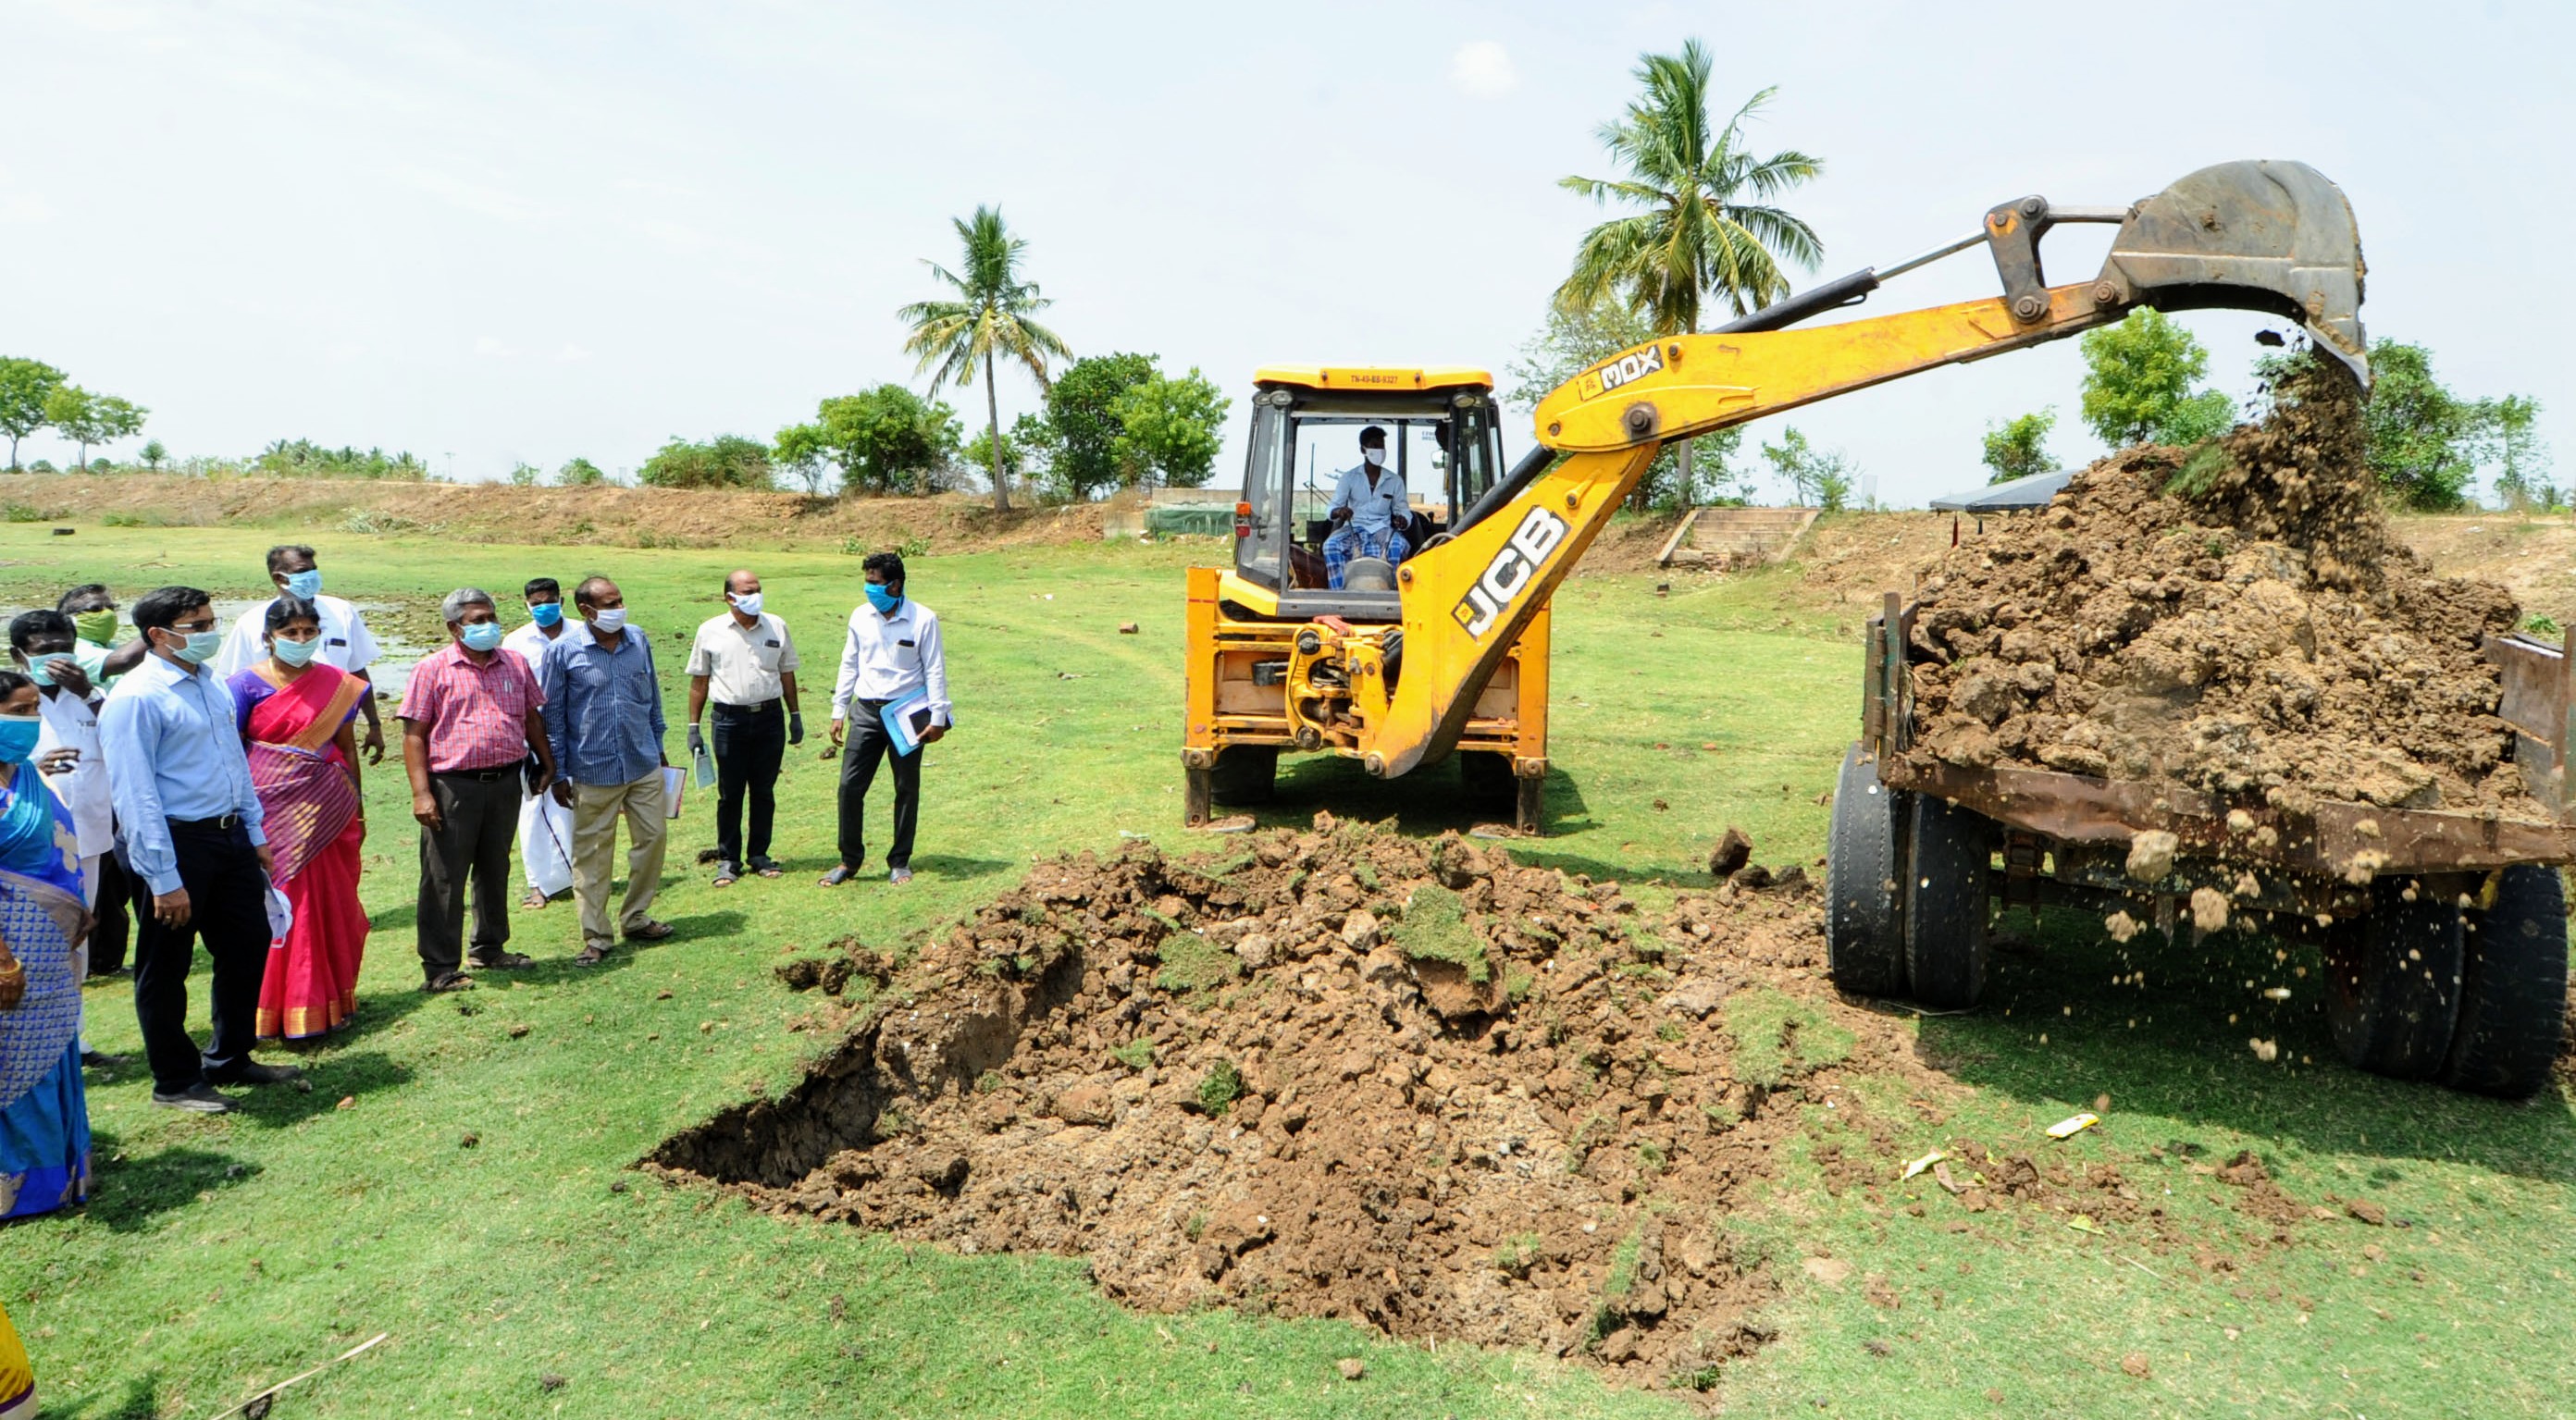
(595, 810)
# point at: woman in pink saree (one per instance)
(294, 712)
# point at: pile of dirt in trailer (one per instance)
(2239, 620)
(1341, 1073)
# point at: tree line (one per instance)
(35, 395)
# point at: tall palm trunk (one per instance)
(993, 443)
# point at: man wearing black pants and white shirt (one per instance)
(893, 651)
(190, 828)
(749, 661)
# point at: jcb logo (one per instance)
(1627, 369)
(1510, 571)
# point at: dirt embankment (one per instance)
(1341, 1073)
(2244, 623)
(603, 516)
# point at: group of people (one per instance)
(211, 778)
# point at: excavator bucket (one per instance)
(2259, 235)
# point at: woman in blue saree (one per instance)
(44, 1117)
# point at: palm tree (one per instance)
(1706, 225)
(988, 319)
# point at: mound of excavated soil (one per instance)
(1343, 1074)
(2240, 621)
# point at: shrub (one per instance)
(729, 461)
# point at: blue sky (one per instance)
(494, 232)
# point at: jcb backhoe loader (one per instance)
(1445, 652)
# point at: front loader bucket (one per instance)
(2271, 236)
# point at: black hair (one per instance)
(547, 585)
(1372, 430)
(887, 565)
(738, 571)
(84, 590)
(10, 681)
(26, 626)
(286, 611)
(581, 595)
(160, 608)
(285, 550)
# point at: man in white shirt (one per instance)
(68, 754)
(748, 661)
(1366, 503)
(545, 826)
(346, 642)
(892, 669)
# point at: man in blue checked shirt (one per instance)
(189, 829)
(603, 716)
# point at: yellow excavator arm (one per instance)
(2264, 236)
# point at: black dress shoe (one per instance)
(254, 1073)
(100, 1060)
(197, 1099)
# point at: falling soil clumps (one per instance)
(1342, 1073)
(2237, 619)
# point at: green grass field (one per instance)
(459, 1176)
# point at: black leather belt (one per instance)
(498, 771)
(220, 823)
(722, 708)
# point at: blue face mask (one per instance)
(295, 653)
(42, 671)
(18, 738)
(201, 647)
(306, 584)
(884, 601)
(481, 636)
(547, 613)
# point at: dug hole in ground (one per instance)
(1339, 1073)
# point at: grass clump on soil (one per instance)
(1778, 1037)
(1193, 963)
(1220, 1087)
(1136, 1054)
(1434, 928)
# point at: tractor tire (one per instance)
(1864, 882)
(1244, 774)
(1949, 851)
(2393, 982)
(2513, 994)
(1485, 780)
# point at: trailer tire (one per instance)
(1244, 774)
(1949, 851)
(2513, 990)
(1864, 882)
(2393, 982)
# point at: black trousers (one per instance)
(478, 818)
(750, 743)
(228, 909)
(866, 743)
(107, 939)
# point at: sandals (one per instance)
(767, 868)
(839, 875)
(500, 961)
(535, 901)
(591, 955)
(728, 875)
(447, 981)
(650, 932)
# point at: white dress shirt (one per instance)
(72, 723)
(346, 642)
(890, 656)
(744, 664)
(1373, 510)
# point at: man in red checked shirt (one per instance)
(470, 722)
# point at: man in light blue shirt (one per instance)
(1366, 504)
(188, 826)
(603, 715)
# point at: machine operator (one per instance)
(1369, 509)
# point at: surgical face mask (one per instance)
(546, 613)
(41, 669)
(748, 603)
(95, 626)
(1376, 457)
(481, 636)
(883, 600)
(18, 737)
(609, 618)
(201, 645)
(306, 584)
(294, 653)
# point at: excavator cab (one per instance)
(1443, 450)
(1280, 657)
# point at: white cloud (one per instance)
(1482, 69)
(469, 196)
(572, 354)
(492, 347)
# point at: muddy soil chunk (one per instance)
(1731, 853)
